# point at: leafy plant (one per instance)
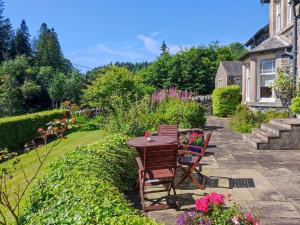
(295, 106)
(244, 119)
(211, 209)
(225, 100)
(16, 131)
(84, 187)
(284, 87)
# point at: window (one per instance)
(278, 16)
(220, 82)
(267, 78)
(247, 82)
(289, 12)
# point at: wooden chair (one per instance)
(157, 167)
(169, 131)
(188, 161)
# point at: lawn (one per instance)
(30, 162)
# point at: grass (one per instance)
(30, 163)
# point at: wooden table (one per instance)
(140, 143)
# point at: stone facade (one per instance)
(229, 73)
(258, 73)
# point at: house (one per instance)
(229, 73)
(269, 51)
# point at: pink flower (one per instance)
(202, 204)
(235, 220)
(216, 199)
(40, 130)
(250, 219)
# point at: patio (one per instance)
(266, 181)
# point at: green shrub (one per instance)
(132, 119)
(84, 187)
(295, 106)
(186, 114)
(225, 100)
(85, 123)
(15, 131)
(244, 120)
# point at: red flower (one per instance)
(41, 130)
(216, 199)
(147, 134)
(202, 204)
(250, 219)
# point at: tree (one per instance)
(56, 89)
(22, 44)
(164, 48)
(115, 85)
(6, 35)
(48, 51)
(74, 87)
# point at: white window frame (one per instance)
(247, 85)
(277, 16)
(289, 19)
(263, 72)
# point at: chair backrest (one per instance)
(168, 130)
(205, 146)
(160, 157)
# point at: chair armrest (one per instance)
(186, 152)
(139, 163)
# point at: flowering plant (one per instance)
(211, 209)
(196, 139)
(147, 134)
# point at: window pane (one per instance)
(267, 66)
(266, 83)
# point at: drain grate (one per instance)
(241, 183)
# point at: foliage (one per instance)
(211, 209)
(56, 128)
(85, 123)
(295, 106)
(225, 100)
(15, 131)
(22, 45)
(115, 84)
(244, 120)
(186, 114)
(163, 94)
(83, 187)
(284, 87)
(191, 69)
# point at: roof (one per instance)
(260, 32)
(232, 68)
(265, 1)
(270, 44)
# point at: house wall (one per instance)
(221, 77)
(254, 61)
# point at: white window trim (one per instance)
(289, 13)
(273, 98)
(247, 87)
(278, 19)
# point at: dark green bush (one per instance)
(225, 100)
(85, 187)
(244, 120)
(186, 114)
(15, 131)
(85, 123)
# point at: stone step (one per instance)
(286, 123)
(264, 134)
(253, 140)
(274, 129)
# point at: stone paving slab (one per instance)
(231, 165)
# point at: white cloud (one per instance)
(150, 44)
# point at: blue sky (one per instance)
(97, 32)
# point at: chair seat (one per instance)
(188, 160)
(159, 174)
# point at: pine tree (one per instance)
(22, 45)
(6, 35)
(47, 49)
(164, 48)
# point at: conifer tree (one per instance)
(22, 44)
(6, 35)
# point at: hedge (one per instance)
(15, 131)
(225, 100)
(85, 187)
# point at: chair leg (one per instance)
(183, 178)
(175, 195)
(200, 186)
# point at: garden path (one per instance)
(266, 181)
